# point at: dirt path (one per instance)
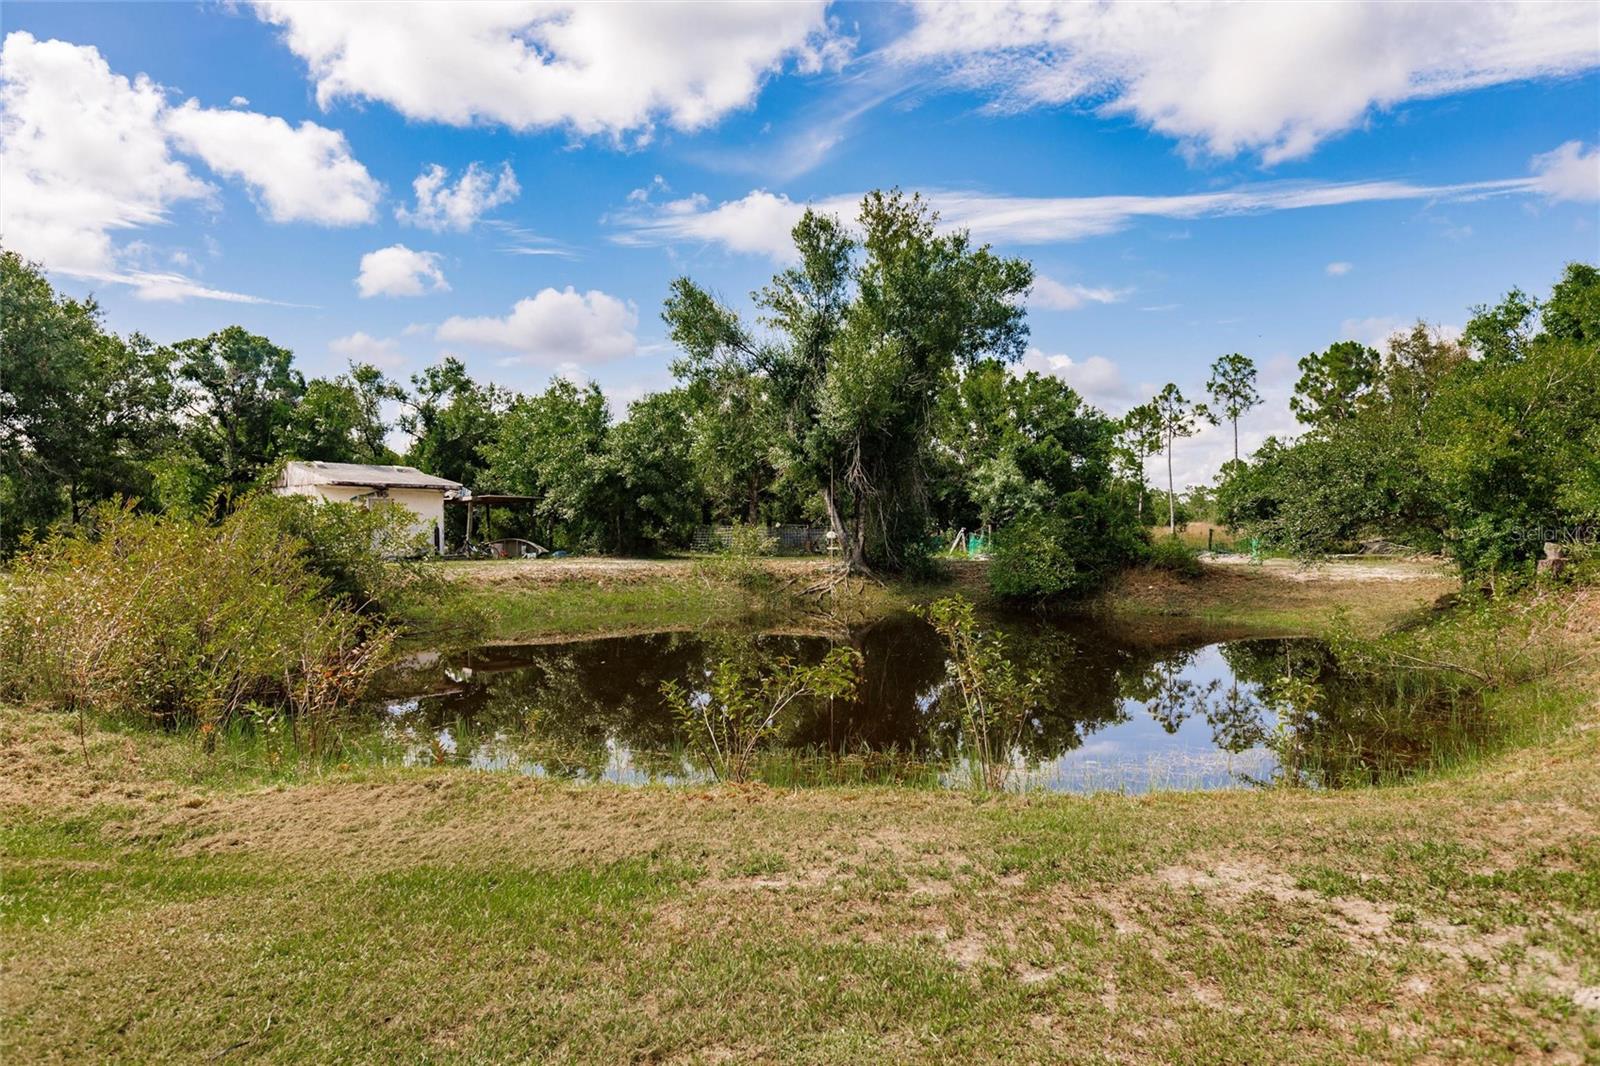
(1375, 569)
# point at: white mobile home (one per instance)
(403, 486)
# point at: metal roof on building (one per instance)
(361, 475)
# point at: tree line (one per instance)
(1482, 447)
(873, 391)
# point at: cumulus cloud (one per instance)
(760, 221)
(1337, 269)
(441, 205)
(299, 173)
(593, 68)
(1223, 79)
(553, 327)
(1570, 172)
(1096, 378)
(87, 153)
(1052, 295)
(399, 271)
(361, 347)
(82, 155)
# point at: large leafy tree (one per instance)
(731, 425)
(866, 335)
(651, 475)
(341, 419)
(241, 391)
(551, 446)
(452, 420)
(81, 409)
(1232, 386)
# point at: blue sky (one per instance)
(1188, 181)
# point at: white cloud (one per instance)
(155, 285)
(82, 155)
(1277, 79)
(399, 271)
(360, 347)
(239, 101)
(1097, 379)
(760, 221)
(1337, 269)
(1570, 172)
(1376, 331)
(301, 174)
(553, 327)
(86, 153)
(593, 68)
(442, 206)
(1052, 295)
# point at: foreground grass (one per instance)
(159, 906)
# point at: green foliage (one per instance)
(1069, 551)
(1232, 386)
(989, 694)
(452, 421)
(1512, 452)
(653, 496)
(340, 420)
(1484, 451)
(82, 411)
(551, 446)
(745, 700)
(1174, 555)
(372, 561)
(1333, 382)
(867, 335)
(628, 487)
(182, 621)
(242, 395)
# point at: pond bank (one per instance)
(532, 599)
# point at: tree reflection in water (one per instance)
(592, 709)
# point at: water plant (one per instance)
(992, 697)
(745, 699)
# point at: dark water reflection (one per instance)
(1122, 713)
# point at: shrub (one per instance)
(990, 695)
(1070, 551)
(180, 621)
(746, 699)
(369, 558)
(749, 541)
(1171, 553)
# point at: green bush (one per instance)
(370, 558)
(1070, 551)
(1171, 553)
(181, 621)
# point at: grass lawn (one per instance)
(162, 906)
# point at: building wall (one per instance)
(427, 505)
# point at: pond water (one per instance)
(1121, 712)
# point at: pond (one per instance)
(1124, 712)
